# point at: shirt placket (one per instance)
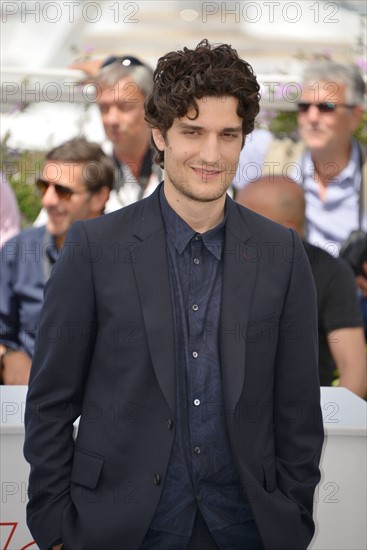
(196, 376)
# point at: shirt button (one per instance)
(197, 237)
(169, 424)
(195, 307)
(196, 402)
(195, 354)
(156, 479)
(197, 450)
(196, 261)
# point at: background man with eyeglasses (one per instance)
(75, 185)
(328, 161)
(122, 84)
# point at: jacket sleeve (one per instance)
(298, 420)
(63, 351)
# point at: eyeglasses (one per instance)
(324, 107)
(62, 191)
(125, 61)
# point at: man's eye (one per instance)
(230, 135)
(126, 106)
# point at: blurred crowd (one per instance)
(315, 185)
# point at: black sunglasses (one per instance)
(324, 107)
(63, 192)
(125, 61)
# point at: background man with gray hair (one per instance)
(330, 110)
(328, 161)
(122, 85)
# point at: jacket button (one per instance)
(169, 424)
(157, 479)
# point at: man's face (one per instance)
(61, 212)
(201, 155)
(122, 111)
(324, 133)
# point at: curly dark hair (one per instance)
(183, 76)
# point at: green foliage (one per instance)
(284, 123)
(361, 131)
(22, 168)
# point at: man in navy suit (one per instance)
(192, 359)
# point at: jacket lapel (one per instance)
(151, 271)
(239, 275)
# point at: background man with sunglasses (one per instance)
(75, 185)
(330, 110)
(122, 84)
(328, 162)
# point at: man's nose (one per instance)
(112, 116)
(210, 152)
(313, 113)
(50, 198)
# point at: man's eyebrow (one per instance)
(233, 129)
(186, 126)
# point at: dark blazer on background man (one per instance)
(105, 351)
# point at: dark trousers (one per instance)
(201, 538)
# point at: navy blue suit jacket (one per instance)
(105, 352)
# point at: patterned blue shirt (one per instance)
(201, 471)
(26, 262)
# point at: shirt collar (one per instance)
(50, 248)
(354, 164)
(349, 171)
(146, 168)
(181, 233)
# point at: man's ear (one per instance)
(158, 139)
(98, 201)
